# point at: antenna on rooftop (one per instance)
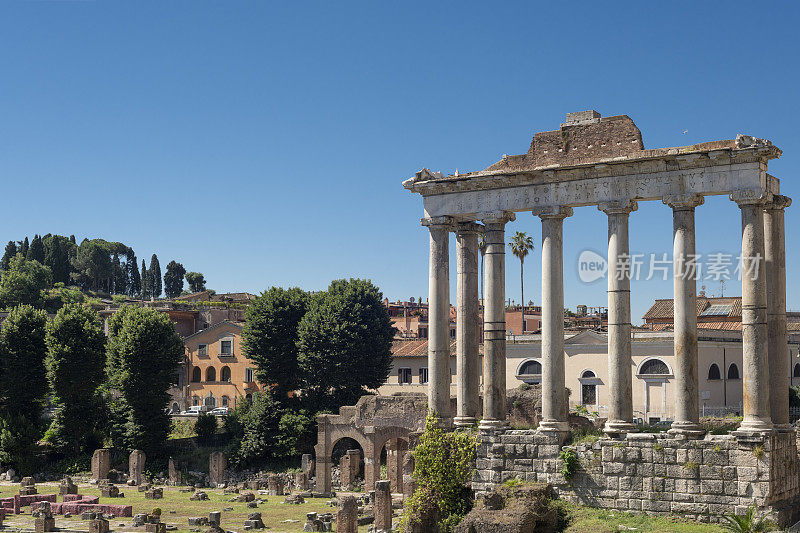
(722, 287)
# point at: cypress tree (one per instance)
(11, 251)
(23, 249)
(134, 279)
(56, 256)
(36, 250)
(145, 282)
(154, 277)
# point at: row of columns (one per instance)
(764, 336)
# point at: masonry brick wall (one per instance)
(654, 473)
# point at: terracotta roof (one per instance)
(418, 348)
(663, 308)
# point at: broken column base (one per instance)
(44, 524)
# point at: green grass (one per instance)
(583, 519)
(273, 512)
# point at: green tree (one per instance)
(144, 353)
(23, 247)
(196, 281)
(154, 277)
(36, 250)
(205, 427)
(23, 385)
(134, 278)
(92, 265)
(521, 245)
(24, 283)
(10, 252)
(345, 344)
(75, 363)
(120, 278)
(173, 279)
(270, 337)
(145, 282)
(56, 257)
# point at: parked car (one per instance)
(197, 409)
(219, 411)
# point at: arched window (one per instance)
(211, 374)
(196, 375)
(175, 407)
(225, 374)
(796, 371)
(210, 401)
(713, 372)
(588, 374)
(225, 401)
(733, 371)
(654, 367)
(530, 368)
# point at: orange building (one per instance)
(218, 373)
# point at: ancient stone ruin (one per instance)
(347, 515)
(217, 465)
(67, 486)
(101, 463)
(375, 421)
(27, 486)
(136, 467)
(602, 162)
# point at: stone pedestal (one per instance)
(383, 507)
(67, 486)
(301, 481)
(347, 515)
(44, 524)
(136, 466)
(156, 528)
(101, 461)
(275, 485)
(217, 466)
(155, 493)
(107, 490)
(27, 487)
(98, 525)
(554, 400)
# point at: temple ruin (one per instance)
(602, 162)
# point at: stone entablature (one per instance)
(654, 473)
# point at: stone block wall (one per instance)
(653, 473)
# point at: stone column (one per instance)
(383, 507)
(620, 402)
(467, 361)
(684, 289)
(755, 363)
(554, 396)
(136, 466)
(778, 340)
(347, 515)
(439, 317)
(494, 321)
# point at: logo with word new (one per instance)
(591, 266)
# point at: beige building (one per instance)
(586, 370)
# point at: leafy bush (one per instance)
(205, 427)
(570, 463)
(443, 467)
(747, 523)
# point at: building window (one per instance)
(195, 400)
(403, 375)
(588, 374)
(211, 374)
(452, 334)
(226, 347)
(248, 375)
(423, 374)
(733, 371)
(196, 375)
(713, 372)
(530, 368)
(175, 407)
(423, 333)
(796, 371)
(653, 367)
(225, 374)
(225, 401)
(210, 401)
(202, 349)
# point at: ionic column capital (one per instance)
(496, 217)
(745, 197)
(552, 211)
(618, 207)
(778, 203)
(468, 228)
(444, 222)
(683, 202)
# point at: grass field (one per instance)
(177, 508)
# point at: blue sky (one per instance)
(264, 143)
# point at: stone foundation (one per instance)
(654, 473)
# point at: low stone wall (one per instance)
(654, 473)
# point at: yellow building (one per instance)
(218, 373)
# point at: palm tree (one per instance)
(482, 248)
(521, 245)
